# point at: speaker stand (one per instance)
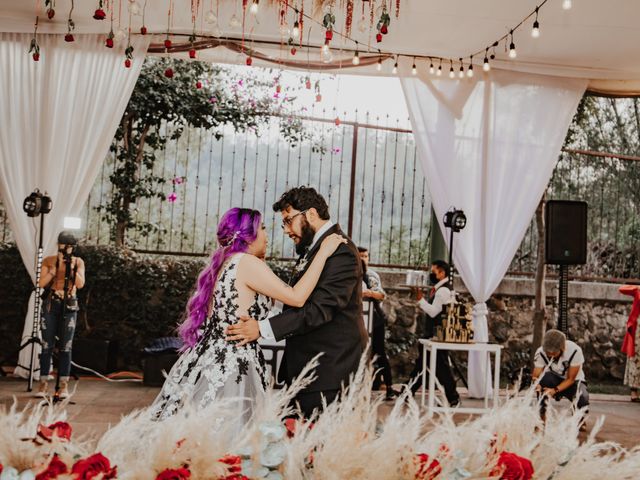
(563, 299)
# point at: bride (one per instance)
(236, 282)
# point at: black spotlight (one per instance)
(454, 219)
(37, 203)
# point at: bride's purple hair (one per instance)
(238, 228)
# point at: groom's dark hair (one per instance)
(303, 198)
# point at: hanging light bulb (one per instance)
(470, 71)
(379, 65)
(414, 70)
(535, 31)
(135, 8)
(254, 7)
(296, 29)
(120, 34)
(485, 65)
(439, 72)
(512, 48)
(325, 53)
(362, 26)
(566, 4)
(452, 74)
(356, 58)
(432, 70)
(234, 22)
(395, 67)
(461, 71)
(211, 17)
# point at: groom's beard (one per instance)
(306, 238)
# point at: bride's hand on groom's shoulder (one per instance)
(245, 331)
(331, 243)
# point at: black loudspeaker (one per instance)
(98, 355)
(566, 232)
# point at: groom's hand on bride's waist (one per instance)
(245, 331)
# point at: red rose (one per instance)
(318, 98)
(378, 37)
(174, 474)
(328, 35)
(90, 467)
(36, 57)
(513, 467)
(337, 121)
(249, 61)
(167, 43)
(192, 53)
(198, 84)
(235, 464)
(61, 430)
(426, 470)
(69, 37)
(293, 50)
(1, 467)
(127, 63)
(308, 85)
(384, 30)
(168, 72)
(51, 13)
(143, 30)
(99, 14)
(56, 467)
(109, 43)
(278, 88)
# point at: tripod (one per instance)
(35, 330)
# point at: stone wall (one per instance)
(597, 320)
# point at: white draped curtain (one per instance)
(58, 117)
(488, 146)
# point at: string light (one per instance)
(296, 30)
(461, 72)
(414, 70)
(512, 47)
(452, 74)
(431, 68)
(356, 58)
(485, 64)
(254, 7)
(566, 4)
(395, 66)
(470, 69)
(379, 66)
(535, 32)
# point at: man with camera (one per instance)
(435, 309)
(62, 275)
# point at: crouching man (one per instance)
(558, 365)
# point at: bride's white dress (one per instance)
(214, 368)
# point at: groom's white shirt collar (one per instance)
(321, 231)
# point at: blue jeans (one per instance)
(55, 334)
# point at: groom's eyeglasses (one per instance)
(286, 222)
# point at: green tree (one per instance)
(163, 105)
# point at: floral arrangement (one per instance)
(348, 440)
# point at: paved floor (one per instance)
(98, 404)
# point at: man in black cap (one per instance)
(55, 328)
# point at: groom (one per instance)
(330, 322)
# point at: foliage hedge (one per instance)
(128, 297)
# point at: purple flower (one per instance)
(336, 150)
(241, 82)
(172, 197)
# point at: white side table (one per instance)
(433, 347)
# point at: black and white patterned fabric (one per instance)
(214, 368)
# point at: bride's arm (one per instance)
(257, 275)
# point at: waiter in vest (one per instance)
(434, 308)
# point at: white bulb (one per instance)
(356, 59)
(325, 48)
(325, 54)
(535, 33)
(461, 73)
(439, 72)
(216, 31)
(431, 70)
(135, 8)
(295, 32)
(120, 34)
(566, 4)
(486, 67)
(362, 26)
(234, 22)
(512, 53)
(414, 70)
(452, 74)
(210, 17)
(395, 69)
(254, 8)
(470, 72)
(379, 66)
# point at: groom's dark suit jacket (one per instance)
(330, 322)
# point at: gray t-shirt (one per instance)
(571, 357)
